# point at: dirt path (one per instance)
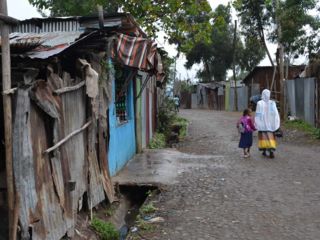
(223, 196)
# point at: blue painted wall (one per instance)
(122, 144)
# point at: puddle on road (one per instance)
(164, 166)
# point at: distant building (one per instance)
(209, 96)
(261, 77)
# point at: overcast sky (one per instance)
(21, 9)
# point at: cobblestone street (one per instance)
(223, 196)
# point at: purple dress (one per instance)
(246, 137)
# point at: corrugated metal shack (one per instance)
(64, 75)
(261, 77)
(211, 95)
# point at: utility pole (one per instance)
(5, 21)
(282, 97)
(174, 76)
(234, 65)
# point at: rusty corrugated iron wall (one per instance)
(52, 187)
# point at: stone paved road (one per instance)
(226, 197)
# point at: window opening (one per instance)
(121, 94)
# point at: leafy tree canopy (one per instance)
(217, 56)
(299, 28)
(184, 21)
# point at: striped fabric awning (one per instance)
(140, 53)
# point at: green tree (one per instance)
(217, 57)
(299, 28)
(249, 54)
(256, 17)
(184, 21)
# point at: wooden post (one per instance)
(234, 66)
(100, 15)
(283, 97)
(7, 113)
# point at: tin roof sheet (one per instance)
(43, 45)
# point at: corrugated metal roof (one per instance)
(39, 25)
(65, 24)
(43, 45)
(123, 21)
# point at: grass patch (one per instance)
(105, 230)
(110, 210)
(304, 127)
(143, 225)
(158, 141)
(147, 209)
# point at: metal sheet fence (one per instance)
(301, 93)
(242, 93)
(255, 89)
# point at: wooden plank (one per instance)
(103, 135)
(69, 136)
(52, 208)
(69, 89)
(23, 162)
(9, 91)
(75, 149)
(7, 113)
(104, 166)
(96, 191)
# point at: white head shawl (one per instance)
(267, 115)
(265, 96)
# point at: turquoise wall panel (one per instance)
(122, 144)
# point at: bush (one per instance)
(158, 141)
(171, 127)
(183, 125)
(105, 230)
(166, 115)
(316, 133)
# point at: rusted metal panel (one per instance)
(103, 161)
(74, 117)
(96, 192)
(23, 164)
(49, 204)
(105, 96)
(54, 172)
(42, 45)
(51, 222)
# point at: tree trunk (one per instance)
(282, 98)
(234, 66)
(263, 40)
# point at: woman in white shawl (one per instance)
(267, 121)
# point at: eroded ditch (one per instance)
(134, 211)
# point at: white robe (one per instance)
(267, 116)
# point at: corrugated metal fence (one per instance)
(242, 98)
(301, 96)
